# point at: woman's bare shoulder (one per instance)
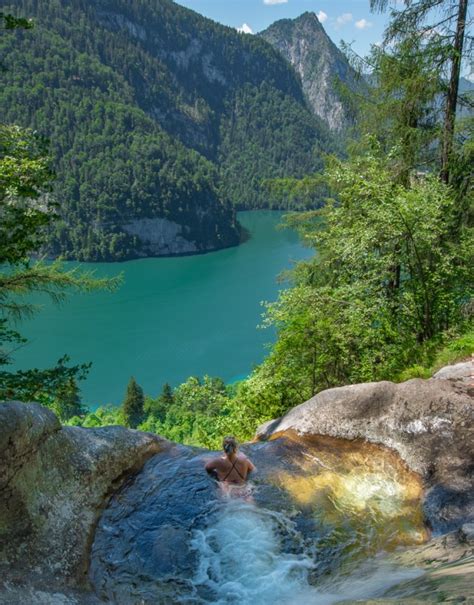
(217, 462)
(247, 460)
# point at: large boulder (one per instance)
(427, 422)
(54, 483)
(463, 372)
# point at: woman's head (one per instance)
(230, 445)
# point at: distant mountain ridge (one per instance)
(318, 62)
(161, 123)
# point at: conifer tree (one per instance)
(68, 400)
(443, 24)
(133, 410)
(166, 397)
(159, 406)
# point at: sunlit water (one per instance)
(242, 560)
(314, 528)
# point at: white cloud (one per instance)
(322, 16)
(343, 19)
(363, 24)
(245, 29)
(275, 1)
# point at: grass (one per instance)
(458, 348)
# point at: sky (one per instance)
(348, 20)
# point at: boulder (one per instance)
(54, 483)
(427, 422)
(463, 372)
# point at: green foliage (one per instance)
(25, 214)
(268, 135)
(451, 349)
(138, 131)
(198, 412)
(103, 416)
(402, 107)
(457, 349)
(157, 408)
(415, 371)
(68, 400)
(442, 28)
(192, 414)
(387, 280)
(10, 22)
(25, 177)
(133, 404)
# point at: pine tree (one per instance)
(68, 400)
(133, 410)
(159, 406)
(442, 23)
(166, 398)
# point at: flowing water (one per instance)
(314, 526)
(242, 560)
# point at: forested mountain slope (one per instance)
(320, 65)
(160, 122)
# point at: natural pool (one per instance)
(313, 528)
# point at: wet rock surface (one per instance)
(54, 483)
(447, 563)
(429, 423)
(160, 537)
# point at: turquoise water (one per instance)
(172, 318)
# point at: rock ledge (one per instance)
(54, 483)
(429, 423)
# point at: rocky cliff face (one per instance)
(319, 63)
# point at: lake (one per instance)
(171, 319)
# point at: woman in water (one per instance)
(232, 468)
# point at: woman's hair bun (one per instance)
(229, 444)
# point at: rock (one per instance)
(427, 422)
(27, 593)
(449, 583)
(459, 372)
(73, 508)
(320, 65)
(448, 565)
(153, 542)
(54, 484)
(441, 550)
(467, 533)
(160, 237)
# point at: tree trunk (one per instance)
(452, 97)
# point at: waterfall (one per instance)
(242, 560)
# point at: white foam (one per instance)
(241, 560)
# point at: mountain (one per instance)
(319, 63)
(161, 123)
(466, 98)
